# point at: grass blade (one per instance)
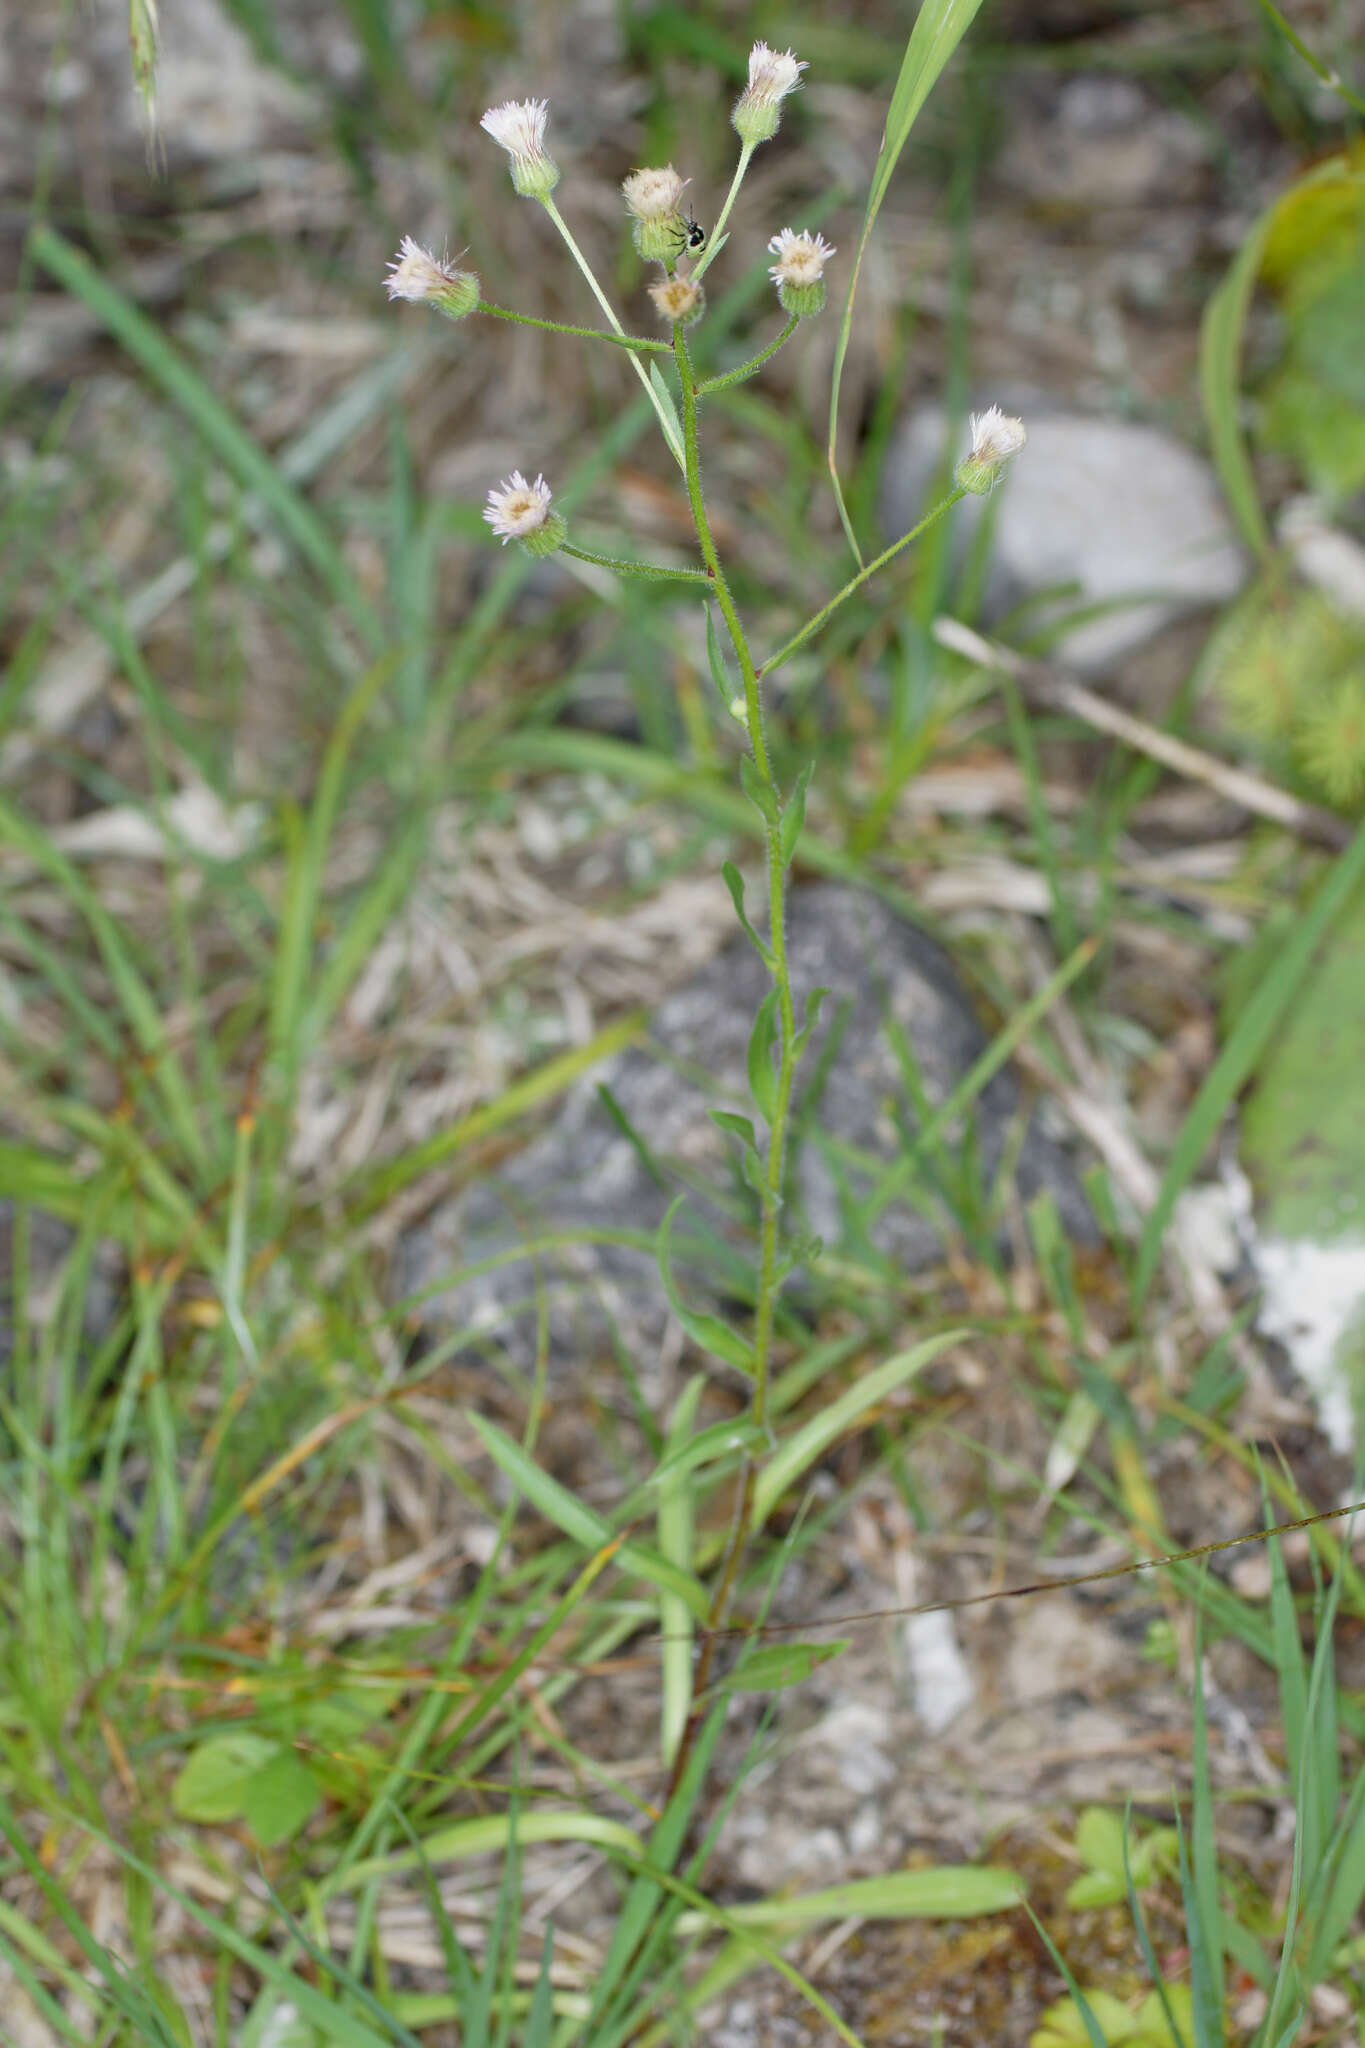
(939, 27)
(1238, 1057)
(229, 440)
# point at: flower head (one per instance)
(518, 126)
(799, 272)
(416, 274)
(772, 75)
(654, 194)
(520, 511)
(653, 198)
(995, 437)
(679, 300)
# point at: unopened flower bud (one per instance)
(654, 201)
(680, 300)
(519, 127)
(799, 272)
(995, 437)
(416, 274)
(772, 75)
(520, 511)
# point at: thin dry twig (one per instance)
(1059, 692)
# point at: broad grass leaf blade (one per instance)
(487, 1833)
(939, 27)
(800, 1451)
(676, 1537)
(581, 1522)
(1238, 1057)
(948, 1893)
(211, 419)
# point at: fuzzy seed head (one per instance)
(516, 509)
(799, 272)
(679, 300)
(416, 274)
(654, 195)
(518, 126)
(772, 75)
(995, 437)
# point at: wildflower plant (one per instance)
(518, 510)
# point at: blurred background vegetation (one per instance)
(335, 843)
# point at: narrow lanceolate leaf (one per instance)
(759, 792)
(708, 1331)
(794, 816)
(715, 658)
(762, 1039)
(734, 882)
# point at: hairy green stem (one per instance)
(634, 341)
(652, 571)
(765, 1302)
(605, 303)
(738, 376)
(713, 247)
(814, 624)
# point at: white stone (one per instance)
(939, 1678)
(1126, 515)
(1311, 1296)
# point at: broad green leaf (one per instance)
(212, 1786)
(278, 1799)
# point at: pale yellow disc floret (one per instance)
(801, 258)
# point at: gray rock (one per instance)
(1126, 514)
(586, 1174)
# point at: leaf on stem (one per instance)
(794, 817)
(706, 1331)
(763, 1037)
(734, 882)
(760, 793)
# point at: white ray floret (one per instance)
(516, 508)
